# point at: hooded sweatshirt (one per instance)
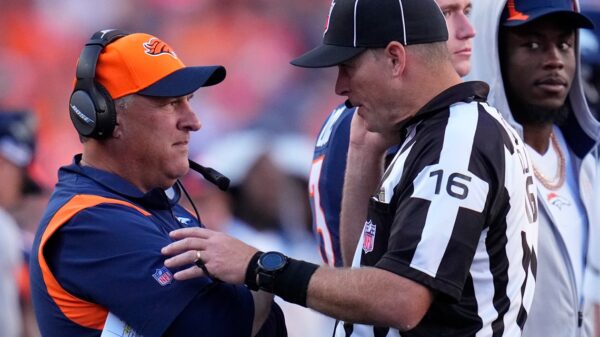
(558, 308)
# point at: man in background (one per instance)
(96, 264)
(528, 52)
(17, 147)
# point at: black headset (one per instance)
(91, 108)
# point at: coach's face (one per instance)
(460, 33)
(153, 138)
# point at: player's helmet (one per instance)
(590, 60)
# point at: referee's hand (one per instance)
(223, 256)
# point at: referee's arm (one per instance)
(362, 295)
(370, 296)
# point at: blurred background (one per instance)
(259, 125)
(253, 39)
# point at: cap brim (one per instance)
(575, 19)
(326, 56)
(185, 81)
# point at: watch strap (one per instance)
(251, 272)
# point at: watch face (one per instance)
(271, 261)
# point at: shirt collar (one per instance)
(155, 198)
(462, 92)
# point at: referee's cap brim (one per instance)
(327, 56)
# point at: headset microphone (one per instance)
(348, 104)
(211, 175)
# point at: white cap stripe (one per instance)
(403, 22)
(355, 6)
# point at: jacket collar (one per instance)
(462, 92)
(156, 198)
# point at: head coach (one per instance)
(96, 266)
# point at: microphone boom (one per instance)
(212, 175)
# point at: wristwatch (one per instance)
(270, 264)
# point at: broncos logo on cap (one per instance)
(513, 13)
(156, 47)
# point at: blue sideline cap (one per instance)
(17, 137)
(519, 12)
(356, 25)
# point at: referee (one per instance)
(448, 248)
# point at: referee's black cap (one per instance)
(356, 25)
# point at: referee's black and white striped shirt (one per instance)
(456, 212)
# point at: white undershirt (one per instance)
(564, 204)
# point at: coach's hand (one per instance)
(224, 257)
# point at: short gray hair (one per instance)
(432, 54)
(123, 102)
(120, 104)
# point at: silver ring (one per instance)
(199, 263)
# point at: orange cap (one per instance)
(144, 64)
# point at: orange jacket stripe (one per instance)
(82, 312)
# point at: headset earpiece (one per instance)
(91, 107)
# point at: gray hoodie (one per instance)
(556, 308)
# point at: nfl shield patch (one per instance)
(163, 276)
(369, 236)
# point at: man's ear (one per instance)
(396, 53)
